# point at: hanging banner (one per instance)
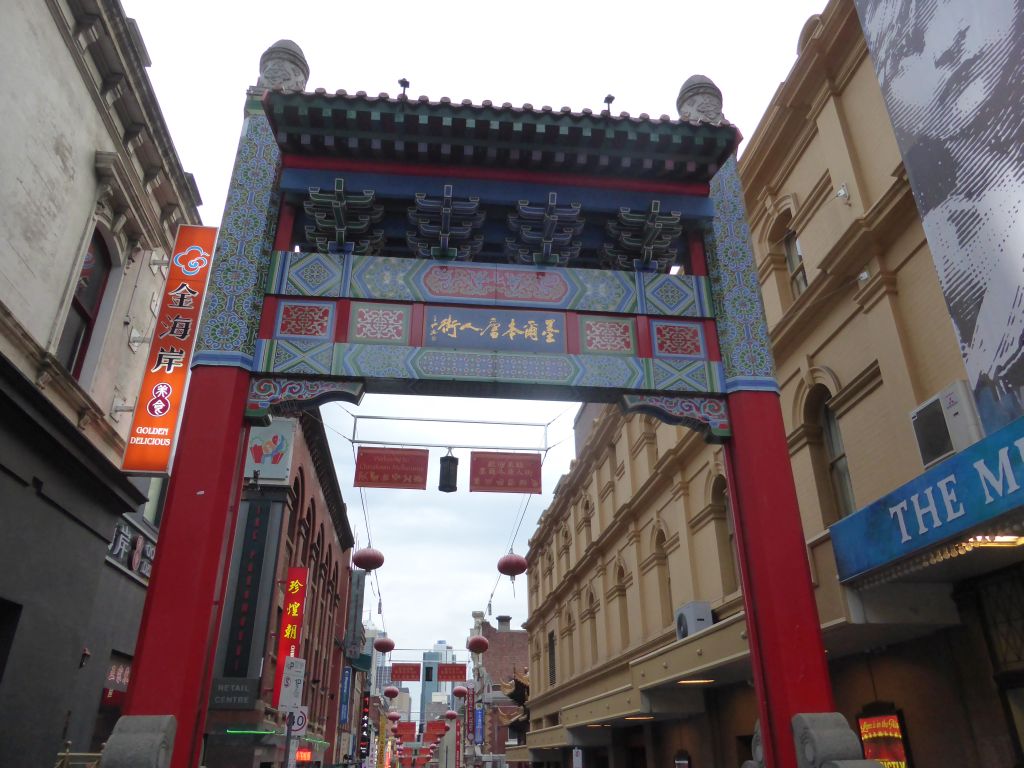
(345, 695)
(405, 672)
(950, 75)
(478, 725)
(451, 673)
(290, 633)
(391, 468)
(504, 472)
(433, 729)
(470, 716)
(406, 731)
(158, 407)
(458, 744)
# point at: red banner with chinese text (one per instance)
(451, 673)
(391, 468)
(404, 672)
(504, 472)
(406, 731)
(458, 742)
(470, 712)
(433, 729)
(154, 427)
(290, 632)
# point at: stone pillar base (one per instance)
(140, 741)
(822, 740)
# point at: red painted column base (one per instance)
(786, 650)
(177, 639)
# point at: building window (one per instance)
(551, 659)
(838, 470)
(664, 580)
(795, 264)
(154, 508)
(85, 306)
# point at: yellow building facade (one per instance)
(640, 526)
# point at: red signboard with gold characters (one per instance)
(158, 407)
(451, 673)
(290, 633)
(504, 472)
(391, 468)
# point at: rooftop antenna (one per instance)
(404, 83)
(608, 103)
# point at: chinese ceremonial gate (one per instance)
(398, 245)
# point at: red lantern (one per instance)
(447, 728)
(384, 644)
(512, 565)
(394, 716)
(477, 644)
(391, 692)
(459, 691)
(368, 558)
(451, 714)
(394, 729)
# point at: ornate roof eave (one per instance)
(407, 130)
(507, 718)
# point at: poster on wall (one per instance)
(952, 74)
(883, 737)
(269, 452)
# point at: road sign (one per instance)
(292, 681)
(300, 721)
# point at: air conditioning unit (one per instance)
(692, 617)
(946, 423)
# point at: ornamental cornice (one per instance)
(862, 385)
(708, 514)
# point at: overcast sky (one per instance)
(441, 549)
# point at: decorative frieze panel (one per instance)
(380, 278)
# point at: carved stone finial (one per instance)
(284, 66)
(700, 101)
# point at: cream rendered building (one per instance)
(640, 525)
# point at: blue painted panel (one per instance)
(495, 191)
(976, 486)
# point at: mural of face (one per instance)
(939, 60)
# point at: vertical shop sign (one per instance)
(345, 694)
(470, 713)
(290, 633)
(158, 407)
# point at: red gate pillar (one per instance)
(786, 651)
(178, 634)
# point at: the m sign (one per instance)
(975, 486)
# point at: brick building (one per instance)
(506, 656)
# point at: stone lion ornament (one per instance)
(283, 65)
(700, 101)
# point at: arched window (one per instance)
(620, 586)
(85, 306)
(727, 554)
(664, 579)
(835, 453)
(794, 263)
(592, 621)
(828, 457)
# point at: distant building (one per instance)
(441, 653)
(91, 196)
(506, 658)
